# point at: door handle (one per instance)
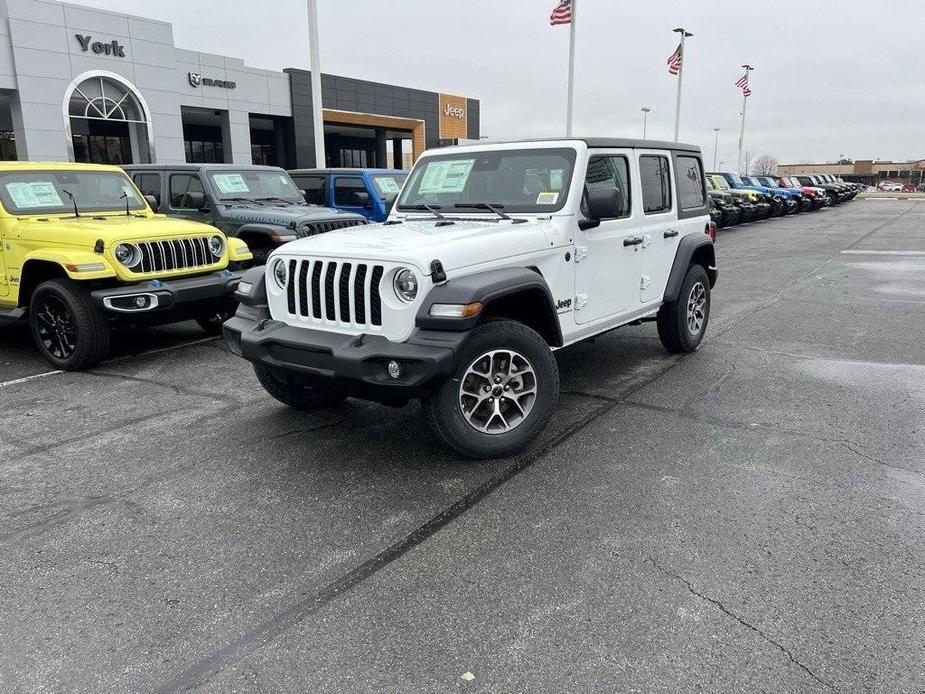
(671, 233)
(632, 240)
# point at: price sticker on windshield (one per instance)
(231, 183)
(547, 197)
(446, 176)
(34, 194)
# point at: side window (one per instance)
(346, 189)
(315, 187)
(654, 174)
(609, 171)
(149, 184)
(689, 179)
(180, 186)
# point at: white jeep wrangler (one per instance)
(493, 257)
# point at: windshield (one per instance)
(736, 180)
(526, 180)
(720, 182)
(46, 192)
(387, 184)
(261, 184)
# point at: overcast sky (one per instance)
(832, 77)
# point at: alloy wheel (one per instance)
(497, 391)
(56, 328)
(696, 308)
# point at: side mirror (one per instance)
(194, 200)
(604, 203)
(390, 201)
(152, 201)
(362, 199)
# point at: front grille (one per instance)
(313, 228)
(174, 254)
(334, 292)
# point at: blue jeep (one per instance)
(789, 199)
(369, 192)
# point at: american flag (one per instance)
(562, 14)
(743, 84)
(674, 62)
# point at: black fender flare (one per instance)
(266, 231)
(488, 287)
(691, 245)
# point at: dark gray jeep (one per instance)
(259, 204)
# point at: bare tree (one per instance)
(748, 158)
(764, 165)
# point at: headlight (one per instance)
(217, 246)
(128, 254)
(405, 285)
(280, 272)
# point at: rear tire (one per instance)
(67, 328)
(296, 396)
(521, 376)
(683, 322)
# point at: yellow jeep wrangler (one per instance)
(81, 250)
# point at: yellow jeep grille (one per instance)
(175, 254)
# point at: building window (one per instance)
(107, 121)
(7, 145)
(204, 152)
(353, 158)
(262, 154)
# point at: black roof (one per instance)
(196, 167)
(606, 142)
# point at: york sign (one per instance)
(113, 47)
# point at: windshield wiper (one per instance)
(433, 209)
(491, 207)
(71, 196)
(270, 199)
(241, 200)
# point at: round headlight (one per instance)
(128, 254)
(217, 245)
(406, 285)
(280, 272)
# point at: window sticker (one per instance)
(34, 194)
(446, 176)
(556, 178)
(547, 197)
(387, 186)
(231, 183)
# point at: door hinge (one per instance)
(581, 252)
(645, 282)
(581, 301)
(646, 240)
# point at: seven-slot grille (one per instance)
(333, 291)
(312, 228)
(174, 254)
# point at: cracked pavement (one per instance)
(750, 518)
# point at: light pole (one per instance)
(748, 69)
(315, 65)
(715, 145)
(645, 114)
(677, 114)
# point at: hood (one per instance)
(285, 215)
(111, 228)
(457, 245)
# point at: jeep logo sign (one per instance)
(453, 117)
(113, 48)
(454, 111)
(197, 80)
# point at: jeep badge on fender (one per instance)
(358, 313)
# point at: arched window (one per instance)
(108, 120)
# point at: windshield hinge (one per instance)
(581, 252)
(581, 301)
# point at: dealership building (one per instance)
(867, 171)
(79, 84)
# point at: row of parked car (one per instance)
(736, 199)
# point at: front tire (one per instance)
(501, 395)
(68, 330)
(683, 322)
(296, 396)
(212, 322)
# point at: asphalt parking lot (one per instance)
(747, 518)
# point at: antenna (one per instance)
(71, 196)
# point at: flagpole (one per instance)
(677, 113)
(571, 70)
(748, 68)
(315, 66)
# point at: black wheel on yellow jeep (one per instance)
(68, 330)
(297, 396)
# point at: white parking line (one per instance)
(914, 254)
(25, 379)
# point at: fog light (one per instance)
(141, 301)
(394, 369)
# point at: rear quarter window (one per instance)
(689, 175)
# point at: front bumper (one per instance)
(159, 296)
(355, 364)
